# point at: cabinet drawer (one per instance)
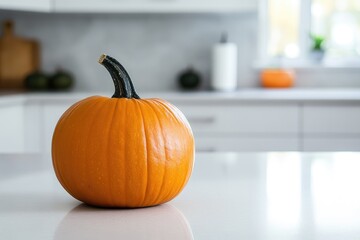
(33, 128)
(331, 144)
(331, 119)
(51, 115)
(11, 129)
(243, 119)
(235, 144)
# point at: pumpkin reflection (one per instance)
(160, 222)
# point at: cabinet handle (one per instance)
(202, 120)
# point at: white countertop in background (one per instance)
(249, 196)
(210, 97)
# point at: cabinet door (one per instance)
(331, 119)
(331, 127)
(154, 6)
(33, 127)
(51, 115)
(258, 119)
(12, 129)
(26, 5)
(331, 144)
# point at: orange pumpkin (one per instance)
(276, 78)
(122, 151)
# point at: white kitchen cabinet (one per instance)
(331, 143)
(243, 127)
(26, 5)
(331, 119)
(33, 127)
(154, 6)
(331, 127)
(243, 118)
(51, 114)
(12, 128)
(245, 143)
(219, 123)
(214, 126)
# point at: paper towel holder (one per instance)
(224, 65)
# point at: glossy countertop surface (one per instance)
(241, 95)
(286, 195)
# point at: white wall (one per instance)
(154, 48)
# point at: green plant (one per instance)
(317, 42)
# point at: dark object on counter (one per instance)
(37, 81)
(61, 81)
(189, 79)
(19, 57)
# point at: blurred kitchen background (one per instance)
(267, 75)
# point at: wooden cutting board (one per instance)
(18, 58)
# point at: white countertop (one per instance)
(230, 196)
(263, 95)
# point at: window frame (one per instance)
(303, 60)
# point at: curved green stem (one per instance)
(124, 87)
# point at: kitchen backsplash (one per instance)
(154, 48)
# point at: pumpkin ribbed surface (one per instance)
(123, 151)
(120, 152)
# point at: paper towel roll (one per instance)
(224, 67)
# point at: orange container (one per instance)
(277, 78)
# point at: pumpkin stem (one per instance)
(124, 87)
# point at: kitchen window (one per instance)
(288, 29)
